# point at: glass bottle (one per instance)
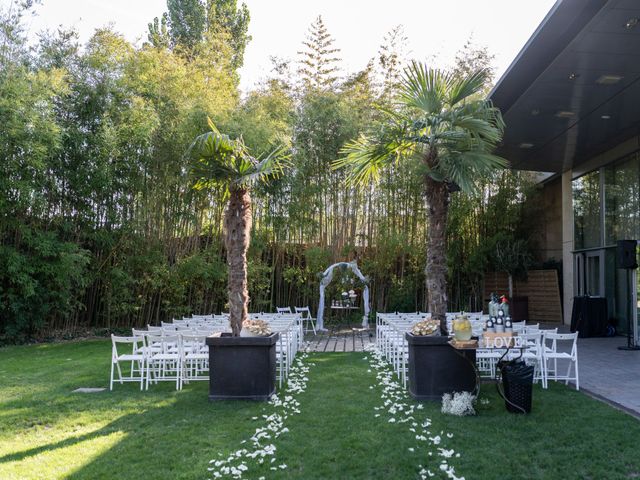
(490, 325)
(508, 324)
(493, 305)
(504, 305)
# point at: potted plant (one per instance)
(239, 366)
(244, 366)
(435, 367)
(444, 130)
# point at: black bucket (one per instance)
(517, 382)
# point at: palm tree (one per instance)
(447, 131)
(222, 162)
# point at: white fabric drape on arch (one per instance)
(327, 276)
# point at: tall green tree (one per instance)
(449, 135)
(319, 61)
(188, 24)
(220, 161)
(226, 15)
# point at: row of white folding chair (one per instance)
(269, 317)
(541, 350)
(287, 346)
(158, 357)
(290, 329)
(192, 352)
(384, 320)
(391, 341)
(292, 317)
(165, 354)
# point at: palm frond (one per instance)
(460, 89)
(218, 159)
(271, 165)
(367, 156)
(423, 88)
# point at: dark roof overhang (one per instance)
(573, 91)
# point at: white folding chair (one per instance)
(136, 358)
(307, 319)
(534, 354)
(195, 358)
(283, 310)
(518, 327)
(552, 353)
(166, 364)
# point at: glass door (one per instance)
(594, 273)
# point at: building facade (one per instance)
(571, 103)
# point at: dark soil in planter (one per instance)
(242, 368)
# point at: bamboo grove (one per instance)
(100, 226)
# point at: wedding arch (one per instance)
(327, 276)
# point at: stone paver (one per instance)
(341, 339)
(609, 373)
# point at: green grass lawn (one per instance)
(48, 432)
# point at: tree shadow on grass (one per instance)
(164, 437)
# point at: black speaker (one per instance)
(627, 254)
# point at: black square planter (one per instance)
(242, 368)
(436, 368)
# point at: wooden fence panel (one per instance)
(541, 287)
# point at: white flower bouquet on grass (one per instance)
(459, 404)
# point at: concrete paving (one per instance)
(610, 374)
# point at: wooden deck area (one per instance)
(341, 339)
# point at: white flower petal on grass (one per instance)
(395, 403)
(274, 426)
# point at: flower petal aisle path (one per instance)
(339, 436)
(398, 408)
(260, 450)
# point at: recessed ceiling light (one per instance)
(609, 79)
(605, 117)
(573, 76)
(632, 22)
(526, 145)
(565, 114)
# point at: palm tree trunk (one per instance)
(237, 224)
(437, 195)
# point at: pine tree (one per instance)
(319, 64)
(391, 58)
